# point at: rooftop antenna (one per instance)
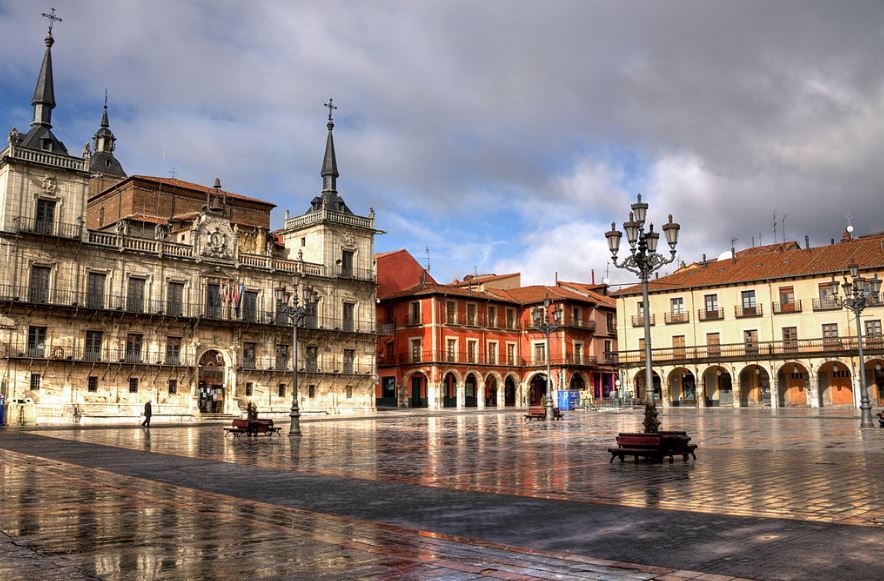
(427, 250)
(733, 249)
(172, 173)
(775, 227)
(783, 227)
(52, 19)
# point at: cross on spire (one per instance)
(52, 19)
(331, 107)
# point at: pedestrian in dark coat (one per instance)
(147, 413)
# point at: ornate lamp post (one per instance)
(543, 324)
(297, 312)
(642, 261)
(857, 294)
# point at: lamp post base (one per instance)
(295, 427)
(865, 414)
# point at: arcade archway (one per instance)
(792, 382)
(754, 387)
(835, 388)
(211, 378)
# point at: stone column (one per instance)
(501, 394)
(461, 395)
(480, 396)
(664, 389)
(433, 397)
(774, 381)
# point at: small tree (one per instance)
(651, 422)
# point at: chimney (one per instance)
(557, 277)
(831, 241)
(807, 241)
(593, 276)
(733, 254)
(704, 260)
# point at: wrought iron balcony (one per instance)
(710, 314)
(639, 320)
(785, 308)
(675, 318)
(827, 304)
(42, 227)
(748, 312)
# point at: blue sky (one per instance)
(502, 135)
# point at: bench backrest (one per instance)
(240, 423)
(536, 411)
(639, 440)
(672, 433)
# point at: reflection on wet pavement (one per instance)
(61, 521)
(751, 462)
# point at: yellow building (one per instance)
(757, 328)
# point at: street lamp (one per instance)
(543, 324)
(858, 292)
(643, 260)
(297, 312)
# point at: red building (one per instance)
(472, 343)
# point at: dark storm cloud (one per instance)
(720, 112)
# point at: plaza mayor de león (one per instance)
(119, 289)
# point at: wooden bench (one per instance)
(535, 414)
(252, 428)
(653, 446)
(540, 414)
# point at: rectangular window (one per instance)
(787, 300)
(713, 344)
(827, 293)
(213, 301)
(95, 290)
(280, 390)
(641, 348)
(415, 350)
(450, 313)
(414, 313)
(539, 353)
(282, 299)
(472, 348)
(93, 345)
(510, 354)
(35, 381)
(174, 299)
(747, 298)
(45, 219)
(611, 323)
(451, 350)
(282, 357)
(36, 341)
(249, 387)
(347, 263)
(173, 386)
(173, 350)
(349, 359)
(790, 338)
(711, 302)
(492, 353)
(250, 306)
(576, 317)
(135, 295)
(678, 346)
(92, 384)
(349, 391)
(133, 348)
(249, 352)
(133, 385)
(676, 305)
(750, 341)
(578, 353)
(511, 322)
(873, 335)
(311, 391)
(349, 316)
(608, 346)
(830, 335)
(472, 314)
(492, 317)
(38, 291)
(311, 354)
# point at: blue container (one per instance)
(568, 400)
(2, 411)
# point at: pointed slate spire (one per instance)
(44, 92)
(329, 162)
(104, 138)
(104, 143)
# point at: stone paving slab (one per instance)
(64, 522)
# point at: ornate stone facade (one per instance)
(98, 315)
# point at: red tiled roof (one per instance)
(537, 293)
(198, 187)
(397, 271)
(145, 218)
(867, 252)
(482, 278)
(591, 291)
(433, 288)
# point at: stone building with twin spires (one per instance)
(118, 290)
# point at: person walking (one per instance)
(147, 413)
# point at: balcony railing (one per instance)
(352, 272)
(62, 351)
(462, 358)
(827, 304)
(748, 312)
(675, 318)
(752, 350)
(639, 320)
(785, 308)
(221, 313)
(710, 314)
(581, 323)
(32, 225)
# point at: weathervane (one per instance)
(331, 107)
(52, 19)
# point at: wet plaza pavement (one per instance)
(788, 495)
